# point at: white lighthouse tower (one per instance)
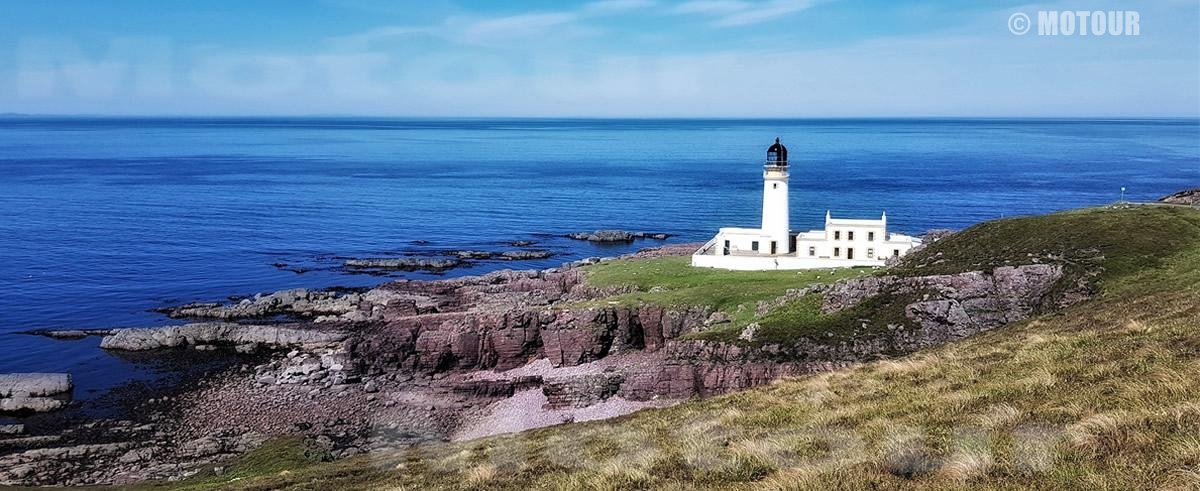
(775, 222)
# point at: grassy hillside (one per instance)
(1103, 395)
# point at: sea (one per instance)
(103, 220)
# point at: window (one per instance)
(870, 253)
(774, 249)
(849, 253)
(774, 185)
(896, 253)
(754, 246)
(837, 235)
(812, 251)
(871, 236)
(850, 235)
(837, 252)
(726, 248)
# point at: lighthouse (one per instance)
(843, 242)
(775, 222)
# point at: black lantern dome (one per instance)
(777, 154)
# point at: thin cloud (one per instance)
(516, 25)
(617, 6)
(477, 31)
(731, 13)
(718, 7)
(365, 38)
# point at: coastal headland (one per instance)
(438, 367)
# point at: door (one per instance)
(774, 246)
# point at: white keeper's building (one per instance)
(843, 242)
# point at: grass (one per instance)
(275, 458)
(784, 325)
(1126, 240)
(673, 282)
(1102, 395)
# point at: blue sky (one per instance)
(639, 58)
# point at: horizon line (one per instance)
(586, 117)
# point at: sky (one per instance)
(597, 58)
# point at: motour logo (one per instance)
(1078, 23)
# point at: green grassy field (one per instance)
(1102, 395)
(671, 281)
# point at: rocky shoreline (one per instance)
(412, 361)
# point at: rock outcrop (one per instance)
(581, 390)
(34, 392)
(524, 255)
(615, 236)
(519, 255)
(216, 333)
(1187, 197)
(405, 264)
(1006, 294)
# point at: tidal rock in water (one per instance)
(69, 334)
(612, 236)
(34, 392)
(405, 264)
(208, 333)
(603, 236)
(471, 254)
(506, 255)
(288, 267)
(525, 255)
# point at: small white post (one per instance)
(1122, 194)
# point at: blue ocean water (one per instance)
(104, 219)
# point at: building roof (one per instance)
(855, 221)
